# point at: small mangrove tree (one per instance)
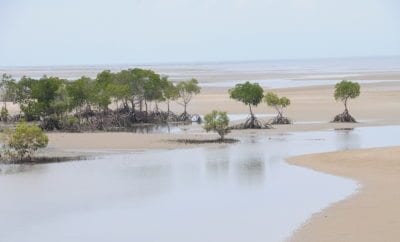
(217, 121)
(251, 94)
(344, 91)
(279, 104)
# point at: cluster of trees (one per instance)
(132, 90)
(252, 94)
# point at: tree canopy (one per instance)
(132, 90)
(279, 104)
(248, 93)
(344, 91)
(186, 90)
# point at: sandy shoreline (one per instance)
(311, 110)
(370, 215)
(373, 213)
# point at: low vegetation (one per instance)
(21, 143)
(217, 121)
(279, 104)
(344, 91)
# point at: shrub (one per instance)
(25, 140)
(4, 114)
(217, 121)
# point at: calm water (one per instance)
(286, 68)
(242, 192)
(286, 83)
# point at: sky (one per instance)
(75, 32)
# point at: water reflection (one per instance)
(239, 192)
(150, 128)
(347, 139)
(8, 169)
(250, 171)
(218, 163)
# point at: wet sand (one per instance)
(312, 109)
(372, 214)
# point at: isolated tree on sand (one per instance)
(24, 141)
(217, 121)
(344, 91)
(250, 94)
(187, 89)
(279, 104)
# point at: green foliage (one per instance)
(171, 92)
(273, 100)
(187, 89)
(25, 140)
(37, 98)
(248, 93)
(79, 92)
(4, 114)
(217, 121)
(7, 88)
(53, 98)
(345, 90)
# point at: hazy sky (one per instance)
(57, 32)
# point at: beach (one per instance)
(312, 109)
(372, 213)
(372, 208)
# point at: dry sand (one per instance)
(372, 214)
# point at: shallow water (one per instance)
(241, 192)
(287, 83)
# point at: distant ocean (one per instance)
(324, 67)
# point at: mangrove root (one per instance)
(344, 117)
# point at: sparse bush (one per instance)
(279, 103)
(4, 114)
(218, 122)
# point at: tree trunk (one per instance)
(251, 111)
(222, 136)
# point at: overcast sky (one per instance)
(62, 32)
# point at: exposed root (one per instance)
(344, 117)
(280, 120)
(251, 123)
(206, 141)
